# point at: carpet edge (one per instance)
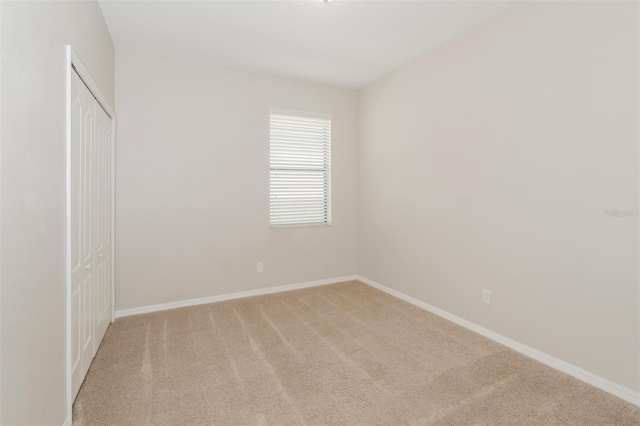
(230, 296)
(608, 386)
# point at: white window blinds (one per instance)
(300, 175)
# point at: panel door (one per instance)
(102, 177)
(83, 122)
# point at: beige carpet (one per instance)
(337, 354)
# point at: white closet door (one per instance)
(102, 188)
(90, 249)
(82, 134)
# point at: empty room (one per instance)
(319, 212)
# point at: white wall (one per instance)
(33, 185)
(489, 161)
(192, 188)
(486, 163)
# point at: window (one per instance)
(300, 169)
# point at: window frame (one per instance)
(326, 170)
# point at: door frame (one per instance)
(75, 64)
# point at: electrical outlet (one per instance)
(260, 267)
(486, 296)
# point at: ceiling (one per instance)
(345, 43)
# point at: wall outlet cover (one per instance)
(486, 296)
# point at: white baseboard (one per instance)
(229, 296)
(67, 421)
(563, 366)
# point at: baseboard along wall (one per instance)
(230, 296)
(626, 394)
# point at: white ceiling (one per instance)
(345, 43)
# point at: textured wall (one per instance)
(192, 190)
(33, 195)
(489, 163)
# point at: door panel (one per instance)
(76, 328)
(103, 223)
(82, 129)
(90, 251)
(77, 274)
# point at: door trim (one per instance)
(74, 64)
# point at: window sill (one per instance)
(301, 225)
